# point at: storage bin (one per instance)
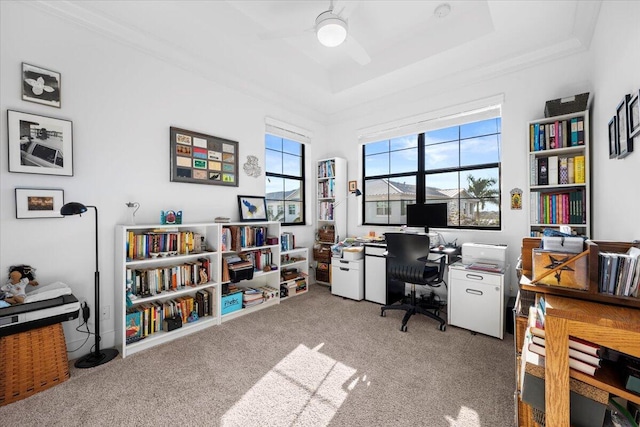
(352, 254)
(573, 276)
(322, 253)
(231, 302)
(32, 361)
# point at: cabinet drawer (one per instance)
(475, 276)
(374, 250)
(351, 265)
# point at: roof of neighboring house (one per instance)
(284, 195)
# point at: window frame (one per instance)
(421, 174)
(284, 207)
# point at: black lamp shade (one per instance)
(356, 192)
(73, 208)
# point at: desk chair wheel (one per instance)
(437, 313)
(382, 313)
(443, 327)
(403, 328)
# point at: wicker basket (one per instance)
(322, 254)
(32, 361)
(326, 234)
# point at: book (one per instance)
(563, 170)
(571, 170)
(573, 363)
(581, 345)
(484, 266)
(580, 131)
(576, 354)
(574, 132)
(543, 170)
(552, 173)
(579, 169)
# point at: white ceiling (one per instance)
(233, 42)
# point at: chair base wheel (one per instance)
(383, 314)
(403, 328)
(443, 327)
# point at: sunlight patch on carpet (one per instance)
(467, 417)
(306, 388)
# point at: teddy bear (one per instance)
(19, 277)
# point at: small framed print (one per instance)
(39, 203)
(41, 85)
(39, 144)
(353, 185)
(613, 138)
(623, 129)
(633, 115)
(203, 159)
(252, 208)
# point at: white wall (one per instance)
(616, 71)
(122, 103)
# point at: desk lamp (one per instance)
(357, 192)
(97, 357)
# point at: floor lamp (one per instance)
(97, 357)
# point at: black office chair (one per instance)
(408, 262)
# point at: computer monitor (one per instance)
(427, 215)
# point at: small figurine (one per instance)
(19, 277)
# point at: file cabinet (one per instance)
(347, 278)
(476, 300)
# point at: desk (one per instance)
(376, 287)
(608, 325)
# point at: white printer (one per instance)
(482, 252)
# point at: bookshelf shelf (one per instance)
(560, 178)
(297, 258)
(331, 209)
(163, 284)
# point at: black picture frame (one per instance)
(633, 114)
(41, 86)
(252, 208)
(613, 138)
(625, 144)
(198, 158)
(39, 144)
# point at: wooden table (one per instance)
(608, 325)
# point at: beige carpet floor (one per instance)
(313, 360)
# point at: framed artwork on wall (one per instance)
(39, 203)
(39, 144)
(41, 85)
(252, 208)
(625, 144)
(613, 138)
(203, 159)
(633, 115)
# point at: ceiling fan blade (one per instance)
(356, 51)
(344, 8)
(284, 33)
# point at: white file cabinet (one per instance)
(476, 300)
(347, 278)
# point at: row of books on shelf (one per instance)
(555, 170)
(148, 318)
(325, 211)
(619, 273)
(257, 295)
(242, 265)
(237, 238)
(564, 207)
(158, 243)
(326, 169)
(287, 241)
(144, 282)
(326, 189)
(558, 134)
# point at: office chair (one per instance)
(407, 261)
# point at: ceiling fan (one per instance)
(332, 30)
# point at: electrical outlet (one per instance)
(105, 312)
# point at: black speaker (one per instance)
(171, 323)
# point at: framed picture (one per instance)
(625, 146)
(40, 85)
(633, 115)
(203, 159)
(39, 144)
(353, 185)
(252, 208)
(613, 138)
(39, 203)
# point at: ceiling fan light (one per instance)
(330, 29)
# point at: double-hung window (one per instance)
(458, 164)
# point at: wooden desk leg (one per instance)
(556, 372)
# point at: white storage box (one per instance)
(562, 244)
(352, 254)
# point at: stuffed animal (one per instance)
(19, 277)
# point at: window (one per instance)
(285, 180)
(458, 164)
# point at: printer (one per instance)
(485, 253)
